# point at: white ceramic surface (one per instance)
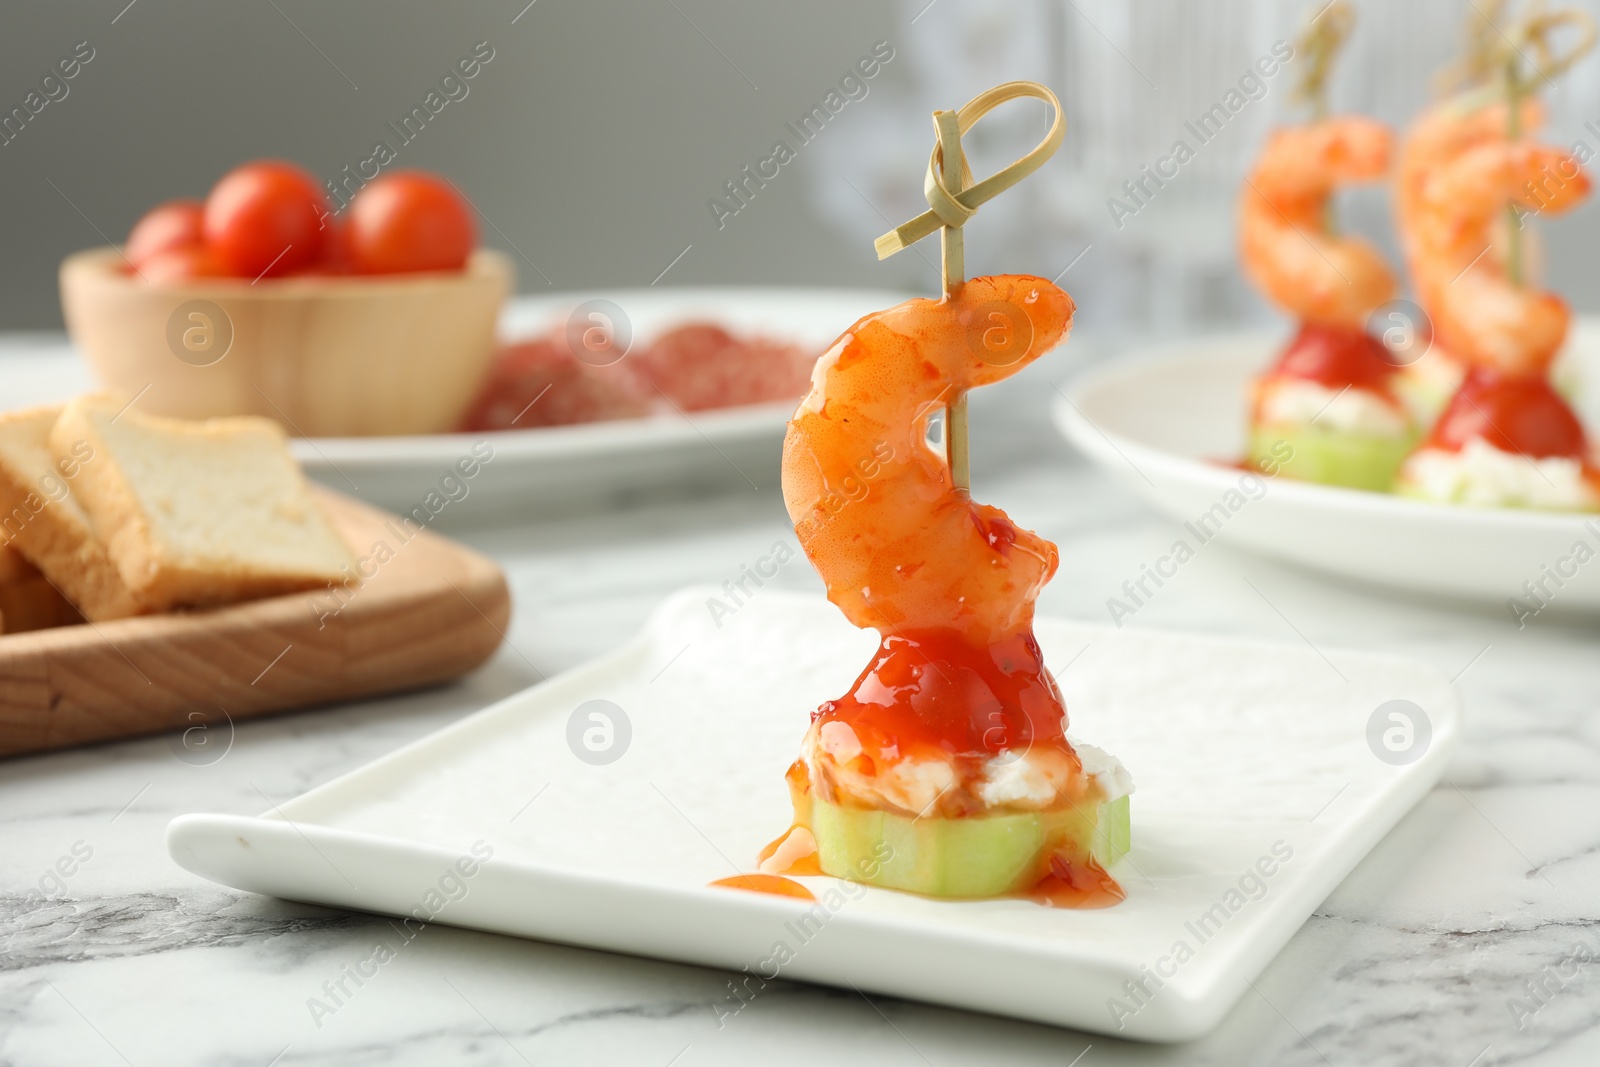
(1168, 419)
(1242, 751)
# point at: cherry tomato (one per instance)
(335, 247)
(264, 218)
(175, 224)
(182, 264)
(1337, 356)
(409, 221)
(1514, 414)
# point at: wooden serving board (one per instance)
(432, 610)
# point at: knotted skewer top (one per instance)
(1535, 30)
(1497, 65)
(953, 197)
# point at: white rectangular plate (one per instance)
(1249, 758)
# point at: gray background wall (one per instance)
(599, 130)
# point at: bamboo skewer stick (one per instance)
(1319, 44)
(952, 272)
(953, 198)
(1513, 132)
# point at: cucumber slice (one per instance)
(1356, 461)
(977, 856)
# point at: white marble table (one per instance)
(1492, 882)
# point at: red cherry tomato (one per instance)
(265, 218)
(1514, 414)
(1337, 356)
(335, 247)
(175, 224)
(408, 221)
(181, 265)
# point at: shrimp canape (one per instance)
(1440, 135)
(1473, 111)
(946, 769)
(1507, 438)
(1327, 410)
(950, 749)
(1330, 397)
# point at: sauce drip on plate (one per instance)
(1076, 884)
(773, 884)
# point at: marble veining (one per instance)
(48, 930)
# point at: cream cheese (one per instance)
(1027, 781)
(1297, 402)
(1482, 475)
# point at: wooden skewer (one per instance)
(952, 272)
(1318, 47)
(953, 198)
(1319, 44)
(1513, 90)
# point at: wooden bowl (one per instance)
(335, 356)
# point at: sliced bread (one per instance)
(41, 518)
(14, 566)
(33, 603)
(198, 513)
(27, 599)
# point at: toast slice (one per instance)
(14, 566)
(32, 603)
(27, 599)
(199, 513)
(42, 519)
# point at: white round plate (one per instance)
(1171, 419)
(538, 469)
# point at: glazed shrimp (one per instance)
(900, 546)
(1439, 136)
(1478, 312)
(1285, 245)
